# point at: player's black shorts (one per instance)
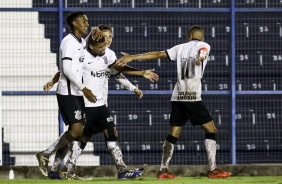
(196, 112)
(98, 119)
(72, 109)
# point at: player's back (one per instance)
(188, 86)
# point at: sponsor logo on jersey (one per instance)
(81, 59)
(186, 95)
(99, 74)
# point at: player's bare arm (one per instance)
(51, 83)
(145, 56)
(89, 95)
(148, 74)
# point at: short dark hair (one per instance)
(95, 42)
(195, 28)
(103, 27)
(72, 16)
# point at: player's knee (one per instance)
(76, 130)
(209, 127)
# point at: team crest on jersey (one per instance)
(81, 59)
(77, 115)
(105, 60)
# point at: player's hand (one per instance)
(89, 95)
(200, 60)
(151, 75)
(96, 33)
(48, 86)
(138, 92)
(124, 59)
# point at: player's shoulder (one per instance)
(70, 38)
(109, 51)
(205, 44)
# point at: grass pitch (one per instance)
(150, 180)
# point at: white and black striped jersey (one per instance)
(188, 86)
(71, 56)
(95, 75)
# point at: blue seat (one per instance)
(129, 32)
(81, 3)
(45, 3)
(184, 4)
(117, 3)
(258, 64)
(251, 4)
(215, 83)
(215, 4)
(275, 4)
(217, 31)
(257, 84)
(150, 4)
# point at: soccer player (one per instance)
(97, 59)
(70, 88)
(186, 102)
(107, 33)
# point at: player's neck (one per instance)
(77, 35)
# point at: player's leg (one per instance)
(168, 149)
(79, 145)
(114, 149)
(177, 121)
(60, 155)
(67, 106)
(210, 143)
(200, 115)
(106, 123)
(76, 149)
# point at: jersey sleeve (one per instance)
(120, 78)
(67, 56)
(172, 53)
(67, 50)
(204, 49)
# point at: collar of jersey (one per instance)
(79, 40)
(94, 55)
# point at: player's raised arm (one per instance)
(148, 74)
(145, 56)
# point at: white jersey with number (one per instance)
(95, 75)
(188, 86)
(71, 51)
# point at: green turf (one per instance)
(147, 180)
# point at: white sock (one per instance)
(50, 149)
(211, 152)
(75, 152)
(168, 149)
(59, 157)
(116, 153)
